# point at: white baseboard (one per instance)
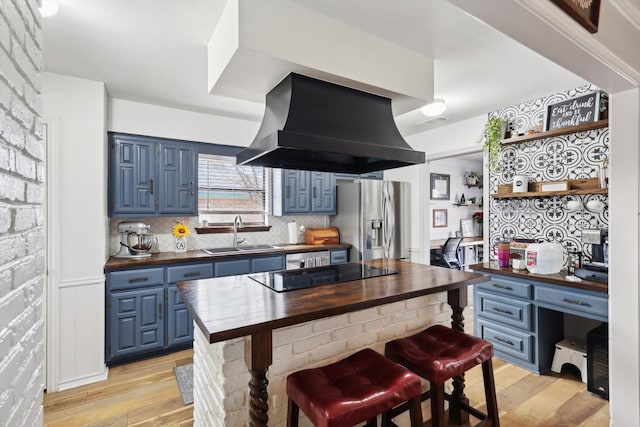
(88, 379)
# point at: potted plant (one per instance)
(491, 136)
(473, 178)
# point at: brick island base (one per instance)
(221, 395)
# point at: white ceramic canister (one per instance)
(544, 258)
(520, 184)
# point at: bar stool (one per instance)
(352, 390)
(439, 353)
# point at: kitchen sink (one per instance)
(255, 247)
(213, 251)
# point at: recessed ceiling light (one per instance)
(49, 8)
(436, 108)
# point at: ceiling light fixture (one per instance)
(49, 8)
(436, 108)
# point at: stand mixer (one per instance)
(135, 240)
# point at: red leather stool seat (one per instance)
(352, 390)
(439, 353)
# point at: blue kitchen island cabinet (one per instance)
(151, 176)
(303, 192)
(522, 314)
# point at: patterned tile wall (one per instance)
(161, 228)
(572, 156)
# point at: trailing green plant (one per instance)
(474, 174)
(491, 136)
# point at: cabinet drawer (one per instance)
(507, 287)
(339, 256)
(189, 272)
(269, 263)
(573, 301)
(515, 343)
(509, 311)
(232, 268)
(136, 278)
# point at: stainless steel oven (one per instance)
(307, 259)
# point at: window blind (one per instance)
(226, 190)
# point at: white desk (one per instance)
(469, 252)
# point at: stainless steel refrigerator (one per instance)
(374, 217)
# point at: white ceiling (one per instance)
(154, 51)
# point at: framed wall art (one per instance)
(439, 186)
(439, 218)
(584, 12)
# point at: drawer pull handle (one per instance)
(137, 279)
(576, 302)
(191, 274)
(504, 341)
(496, 285)
(502, 310)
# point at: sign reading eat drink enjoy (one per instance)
(574, 111)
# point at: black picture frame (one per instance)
(573, 112)
(586, 14)
(439, 186)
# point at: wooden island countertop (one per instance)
(236, 306)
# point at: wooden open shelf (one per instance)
(576, 187)
(557, 132)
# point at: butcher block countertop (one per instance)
(161, 258)
(554, 279)
(236, 306)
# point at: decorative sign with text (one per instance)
(573, 112)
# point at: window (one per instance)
(226, 190)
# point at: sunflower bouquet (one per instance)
(180, 230)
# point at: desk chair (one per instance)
(448, 257)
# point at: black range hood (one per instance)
(311, 124)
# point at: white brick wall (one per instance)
(221, 390)
(21, 218)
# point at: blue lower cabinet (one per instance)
(232, 268)
(179, 321)
(136, 322)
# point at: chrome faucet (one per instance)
(237, 220)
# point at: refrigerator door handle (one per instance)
(387, 220)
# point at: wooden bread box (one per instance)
(322, 236)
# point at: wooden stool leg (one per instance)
(437, 405)
(373, 422)
(415, 412)
(490, 393)
(293, 412)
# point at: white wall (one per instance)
(76, 110)
(153, 120)
(624, 227)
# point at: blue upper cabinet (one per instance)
(303, 193)
(132, 176)
(323, 193)
(151, 176)
(178, 179)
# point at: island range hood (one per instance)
(311, 124)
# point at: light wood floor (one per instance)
(146, 394)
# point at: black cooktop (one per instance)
(288, 280)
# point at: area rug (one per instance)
(184, 375)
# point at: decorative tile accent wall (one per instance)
(573, 156)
